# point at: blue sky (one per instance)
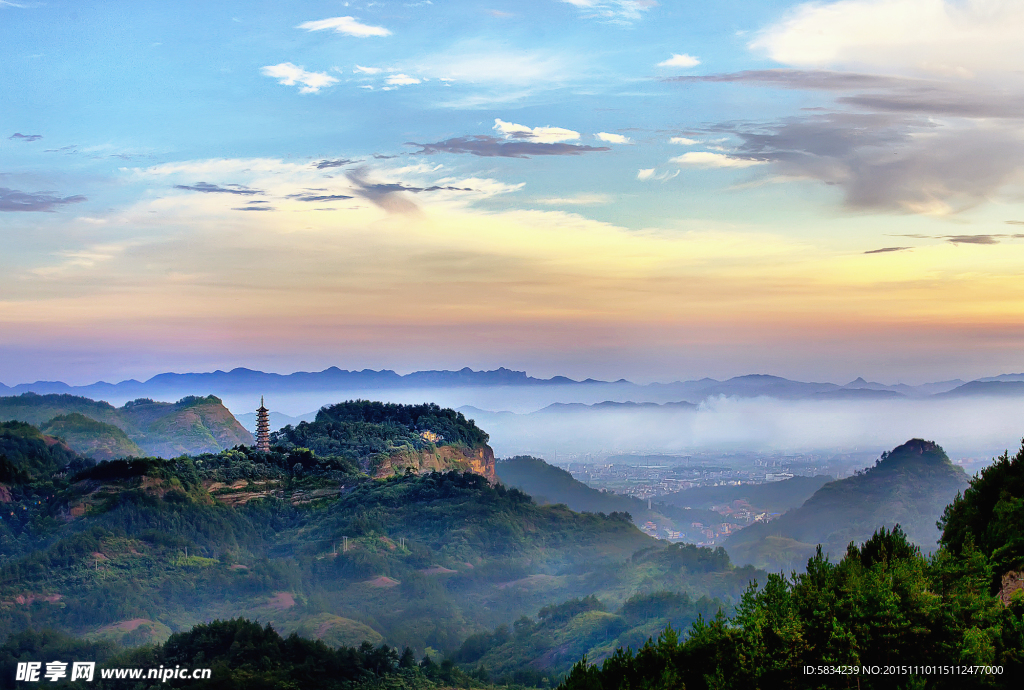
(626, 188)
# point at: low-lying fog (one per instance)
(975, 428)
(978, 428)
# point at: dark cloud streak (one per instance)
(983, 239)
(325, 164)
(212, 188)
(25, 137)
(389, 195)
(814, 80)
(883, 250)
(490, 147)
(325, 197)
(46, 202)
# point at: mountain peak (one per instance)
(918, 447)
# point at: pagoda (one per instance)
(262, 428)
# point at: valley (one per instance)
(381, 526)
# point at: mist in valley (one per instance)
(563, 423)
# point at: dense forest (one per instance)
(241, 655)
(134, 550)
(359, 428)
(860, 621)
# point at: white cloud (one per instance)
(706, 159)
(541, 135)
(345, 25)
(683, 141)
(87, 257)
(932, 36)
(646, 174)
(402, 80)
(367, 70)
(680, 60)
(612, 138)
(288, 74)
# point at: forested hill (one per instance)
(192, 425)
(134, 550)
(93, 439)
(909, 486)
(26, 454)
(880, 618)
(386, 438)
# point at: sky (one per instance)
(606, 188)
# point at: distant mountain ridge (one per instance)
(249, 381)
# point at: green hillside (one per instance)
(190, 426)
(128, 550)
(909, 486)
(26, 453)
(549, 484)
(560, 634)
(90, 438)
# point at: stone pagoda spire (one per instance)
(262, 428)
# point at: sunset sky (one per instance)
(621, 188)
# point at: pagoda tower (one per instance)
(262, 428)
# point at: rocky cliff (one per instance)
(479, 460)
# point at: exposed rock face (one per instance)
(1013, 581)
(483, 463)
(479, 460)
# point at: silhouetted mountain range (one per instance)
(248, 381)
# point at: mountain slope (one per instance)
(92, 439)
(549, 484)
(311, 543)
(26, 453)
(909, 486)
(190, 426)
